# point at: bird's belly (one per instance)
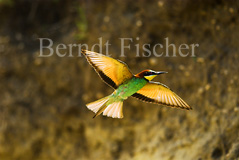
(129, 88)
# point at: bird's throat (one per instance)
(150, 77)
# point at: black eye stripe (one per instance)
(148, 73)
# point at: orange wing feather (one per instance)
(155, 92)
(113, 72)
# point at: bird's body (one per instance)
(129, 88)
(117, 75)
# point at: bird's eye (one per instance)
(148, 73)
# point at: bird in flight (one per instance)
(116, 74)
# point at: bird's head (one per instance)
(149, 74)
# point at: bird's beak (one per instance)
(160, 72)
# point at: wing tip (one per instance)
(189, 108)
(179, 107)
(83, 51)
(143, 98)
(87, 52)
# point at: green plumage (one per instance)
(127, 89)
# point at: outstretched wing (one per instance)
(155, 92)
(113, 72)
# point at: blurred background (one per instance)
(42, 100)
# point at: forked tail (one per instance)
(114, 110)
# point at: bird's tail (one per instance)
(114, 110)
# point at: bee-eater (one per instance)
(116, 74)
